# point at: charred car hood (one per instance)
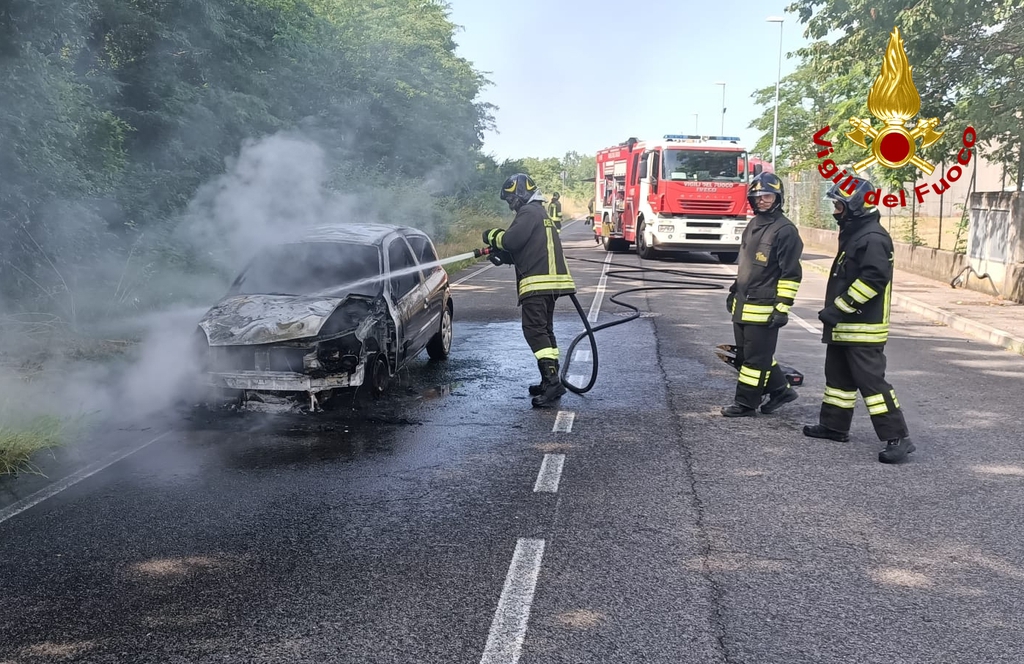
(249, 320)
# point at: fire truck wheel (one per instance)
(642, 249)
(728, 257)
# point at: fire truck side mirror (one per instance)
(758, 168)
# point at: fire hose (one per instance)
(688, 282)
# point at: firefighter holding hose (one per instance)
(532, 243)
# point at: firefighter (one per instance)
(555, 211)
(759, 300)
(856, 326)
(533, 245)
(590, 211)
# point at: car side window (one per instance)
(404, 271)
(424, 253)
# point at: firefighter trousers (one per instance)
(538, 325)
(755, 356)
(852, 368)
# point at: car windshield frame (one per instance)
(357, 283)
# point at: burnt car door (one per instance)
(408, 296)
(434, 281)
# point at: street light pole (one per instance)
(723, 107)
(695, 129)
(778, 82)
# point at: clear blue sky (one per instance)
(564, 79)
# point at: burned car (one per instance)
(342, 307)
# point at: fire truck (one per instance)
(682, 193)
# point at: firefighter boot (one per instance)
(736, 410)
(538, 389)
(778, 399)
(896, 450)
(820, 431)
(552, 384)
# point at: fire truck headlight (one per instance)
(666, 228)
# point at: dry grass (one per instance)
(21, 438)
(464, 235)
(925, 228)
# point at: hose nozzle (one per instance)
(477, 253)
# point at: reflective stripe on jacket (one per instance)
(860, 285)
(769, 271)
(537, 252)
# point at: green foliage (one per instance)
(117, 111)
(579, 170)
(968, 66)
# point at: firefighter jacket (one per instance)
(555, 211)
(769, 272)
(537, 252)
(860, 285)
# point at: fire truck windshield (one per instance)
(705, 165)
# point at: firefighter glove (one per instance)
(730, 302)
(777, 319)
(500, 257)
(831, 315)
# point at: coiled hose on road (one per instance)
(687, 283)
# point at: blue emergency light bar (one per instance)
(694, 137)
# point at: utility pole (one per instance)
(778, 82)
(723, 106)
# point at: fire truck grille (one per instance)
(705, 206)
(703, 236)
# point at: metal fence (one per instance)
(940, 222)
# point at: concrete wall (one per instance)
(928, 262)
(995, 245)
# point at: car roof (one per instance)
(371, 234)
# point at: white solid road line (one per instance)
(508, 629)
(550, 474)
(595, 307)
(470, 276)
(70, 481)
(563, 421)
(804, 324)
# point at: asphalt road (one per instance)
(453, 523)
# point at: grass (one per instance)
(464, 234)
(21, 439)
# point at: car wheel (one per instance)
(380, 376)
(728, 257)
(440, 345)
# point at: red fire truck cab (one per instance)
(682, 193)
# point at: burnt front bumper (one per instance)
(284, 381)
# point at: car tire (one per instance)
(379, 376)
(440, 345)
(642, 250)
(728, 257)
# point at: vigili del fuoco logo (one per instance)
(894, 101)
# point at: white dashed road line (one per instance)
(563, 421)
(508, 629)
(581, 356)
(70, 481)
(550, 474)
